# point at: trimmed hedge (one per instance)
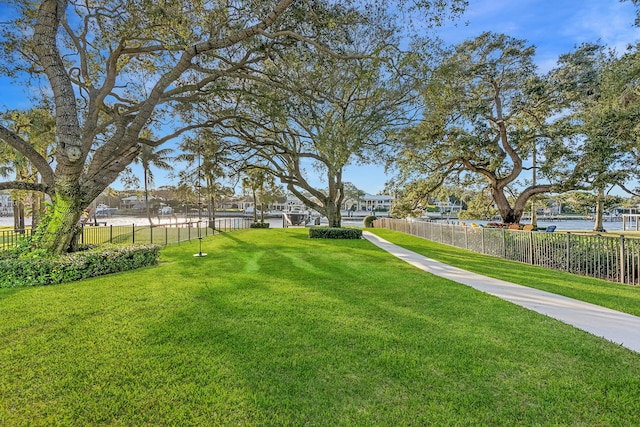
(29, 270)
(259, 225)
(335, 233)
(368, 221)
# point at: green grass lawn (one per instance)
(272, 328)
(616, 296)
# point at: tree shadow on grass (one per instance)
(372, 342)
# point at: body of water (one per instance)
(563, 225)
(141, 221)
(277, 222)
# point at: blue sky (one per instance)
(553, 26)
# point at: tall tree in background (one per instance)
(485, 109)
(257, 180)
(336, 114)
(211, 157)
(585, 79)
(115, 68)
(149, 157)
(618, 113)
(37, 127)
(578, 79)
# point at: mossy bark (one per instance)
(60, 233)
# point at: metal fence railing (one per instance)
(616, 259)
(10, 238)
(162, 234)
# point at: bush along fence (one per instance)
(162, 234)
(615, 259)
(90, 262)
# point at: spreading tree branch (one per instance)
(30, 153)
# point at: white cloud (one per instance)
(553, 26)
(610, 21)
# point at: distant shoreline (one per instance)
(141, 219)
(275, 221)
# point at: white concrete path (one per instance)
(620, 328)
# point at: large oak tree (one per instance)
(604, 156)
(486, 111)
(337, 114)
(114, 68)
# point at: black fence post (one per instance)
(466, 238)
(568, 251)
(622, 261)
(531, 247)
(504, 243)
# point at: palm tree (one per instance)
(209, 156)
(252, 182)
(148, 157)
(12, 162)
(262, 185)
(37, 127)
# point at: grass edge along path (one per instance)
(620, 328)
(273, 328)
(616, 296)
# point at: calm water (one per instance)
(565, 225)
(277, 222)
(130, 220)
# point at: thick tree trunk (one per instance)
(333, 214)
(325, 204)
(212, 211)
(513, 215)
(62, 229)
(334, 200)
(508, 214)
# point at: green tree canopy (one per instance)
(117, 68)
(338, 113)
(486, 111)
(591, 83)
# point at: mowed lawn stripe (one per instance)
(274, 328)
(616, 296)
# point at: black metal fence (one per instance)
(162, 234)
(616, 259)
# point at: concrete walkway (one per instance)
(620, 328)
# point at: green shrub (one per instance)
(259, 225)
(335, 233)
(32, 270)
(368, 221)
